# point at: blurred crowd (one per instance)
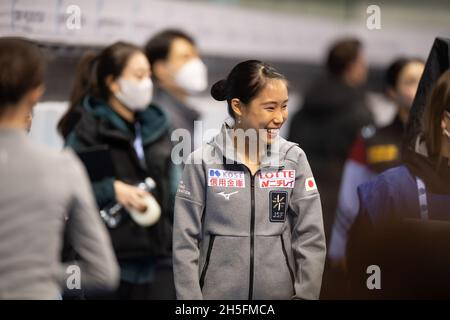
(106, 202)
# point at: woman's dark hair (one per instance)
(395, 68)
(158, 47)
(341, 55)
(22, 67)
(91, 76)
(438, 102)
(244, 82)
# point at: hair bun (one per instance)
(218, 90)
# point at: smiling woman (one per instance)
(248, 221)
(257, 97)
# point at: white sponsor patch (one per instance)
(310, 184)
(277, 179)
(182, 189)
(226, 178)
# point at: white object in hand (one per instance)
(150, 216)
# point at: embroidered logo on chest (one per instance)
(278, 206)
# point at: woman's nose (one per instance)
(278, 118)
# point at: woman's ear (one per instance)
(34, 95)
(112, 84)
(237, 106)
(160, 71)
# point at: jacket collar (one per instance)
(273, 157)
(153, 120)
(435, 172)
(166, 100)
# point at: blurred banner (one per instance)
(223, 28)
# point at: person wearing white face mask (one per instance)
(111, 108)
(135, 95)
(179, 73)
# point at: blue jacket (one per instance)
(395, 192)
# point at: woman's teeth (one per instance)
(273, 132)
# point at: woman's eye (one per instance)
(284, 107)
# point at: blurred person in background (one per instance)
(42, 194)
(112, 100)
(374, 151)
(178, 73)
(333, 113)
(415, 196)
(418, 190)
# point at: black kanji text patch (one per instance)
(278, 206)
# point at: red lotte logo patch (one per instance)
(310, 184)
(277, 179)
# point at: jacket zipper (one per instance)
(252, 237)
(287, 260)
(208, 255)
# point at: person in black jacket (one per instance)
(110, 108)
(332, 115)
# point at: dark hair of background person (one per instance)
(341, 55)
(438, 102)
(158, 47)
(22, 67)
(91, 78)
(394, 70)
(245, 82)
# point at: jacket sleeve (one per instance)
(98, 265)
(187, 231)
(356, 171)
(175, 172)
(308, 238)
(103, 189)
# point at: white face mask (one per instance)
(136, 96)
(445, 131)
(192, 77)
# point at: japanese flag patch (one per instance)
(310, 184)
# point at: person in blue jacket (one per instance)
(418, 191)
(417, 187)
(375, 150)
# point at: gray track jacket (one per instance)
(238, 236)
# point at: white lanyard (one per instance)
(137, 144)
(423, 202)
